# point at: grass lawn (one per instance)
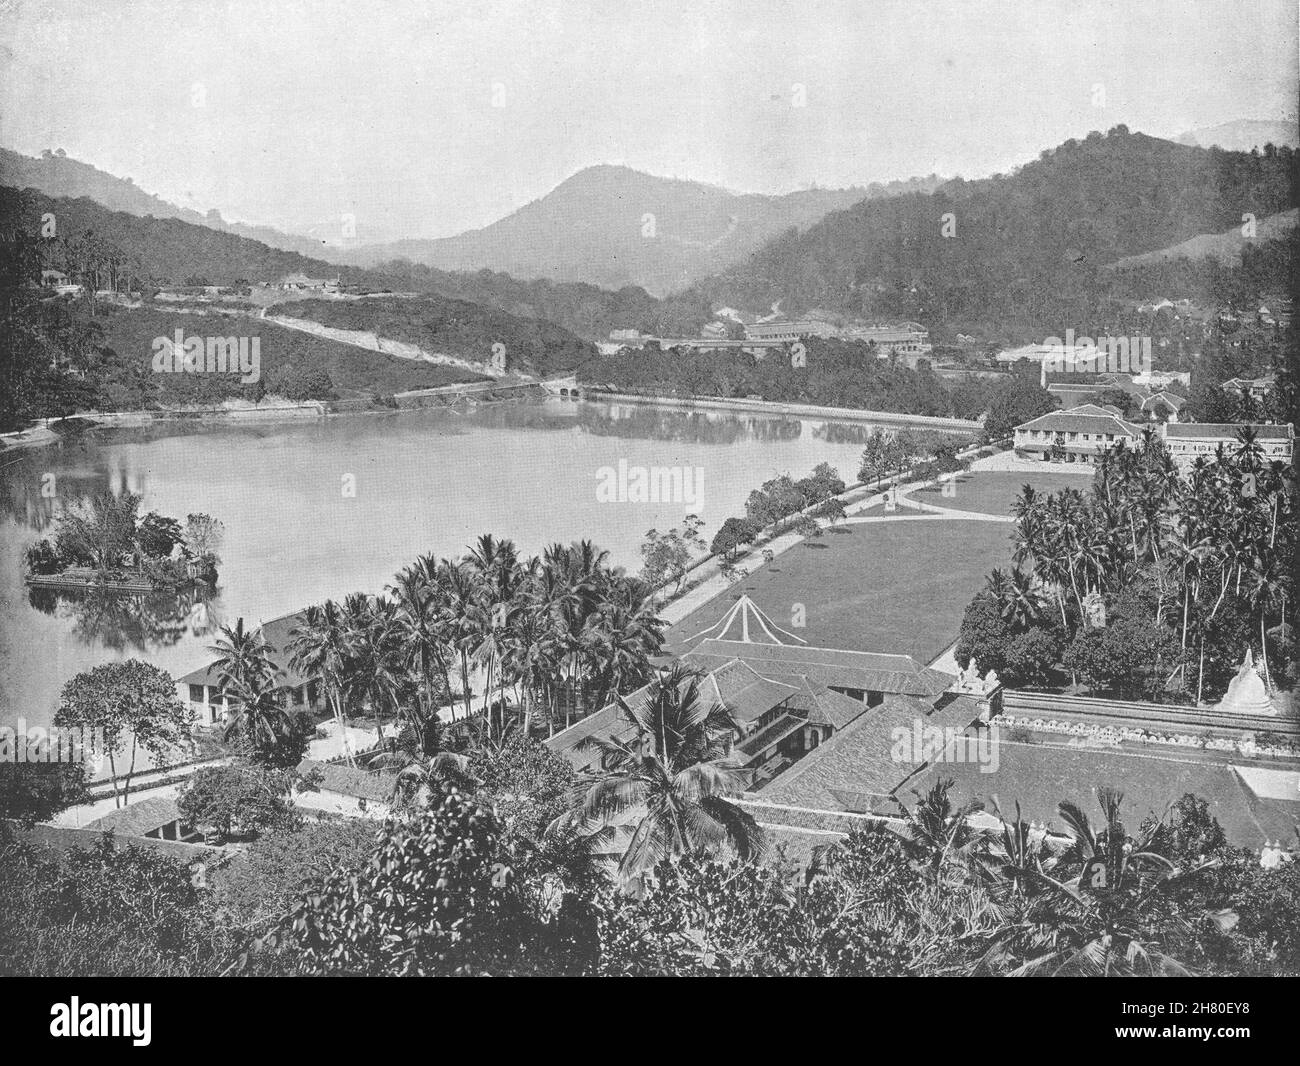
(992, 492)
(874, 587)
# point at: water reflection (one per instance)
(426, 481)
(132, 622)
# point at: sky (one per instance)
(424, 119)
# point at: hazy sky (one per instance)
(293, 113)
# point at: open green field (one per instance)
(992, 492)
(888, 587)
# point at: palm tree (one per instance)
(459, 597)
(417, 772)
(319, 645)
(1108, 920)
(672, 780)
(243, 656)
(938, 833)
(420, 635)
(376, 675)
(260, 718)
(1020, 603)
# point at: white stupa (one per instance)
(1247, 693)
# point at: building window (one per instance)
(196, 693)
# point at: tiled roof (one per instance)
(60, 839)
(1039, 776)
(743, 692)
(858, 760)
(141, 817)
(869, 671)
(1086, 418)
(1268, 379)
(350, 780)
(825, 706)
(1227, 431)
(1171, 398)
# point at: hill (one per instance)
(59, 176)
(614, 226)
(96, 245)
(1021, 253)
(173, 254)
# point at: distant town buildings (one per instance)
(302, 283)
(1257, 389)
(909, 338)
(789, 330)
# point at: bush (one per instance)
(44, 558)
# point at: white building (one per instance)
(1186, 441)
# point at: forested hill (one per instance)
(59, 176)
(1024, 249)
(167, 251)
(162, 251)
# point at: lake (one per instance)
(322, 509)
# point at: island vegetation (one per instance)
(100, 543)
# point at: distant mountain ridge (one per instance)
(614, 226)
(1243, 135)
(56, 175)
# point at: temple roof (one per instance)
(863, 670)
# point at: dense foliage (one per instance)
(450, 889)
(1029, 250)
(1153, 585)
(830, 372)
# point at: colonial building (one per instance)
(1074, 388)
(1187, 441)
(202, 691)
(1163, 406)
(790, 330)
(908, 339)
(1257, 389)
(1078, 435)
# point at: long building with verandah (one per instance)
(1188, 441)
(1078, 435)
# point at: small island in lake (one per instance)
(99, 543)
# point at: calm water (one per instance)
(424, 482)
